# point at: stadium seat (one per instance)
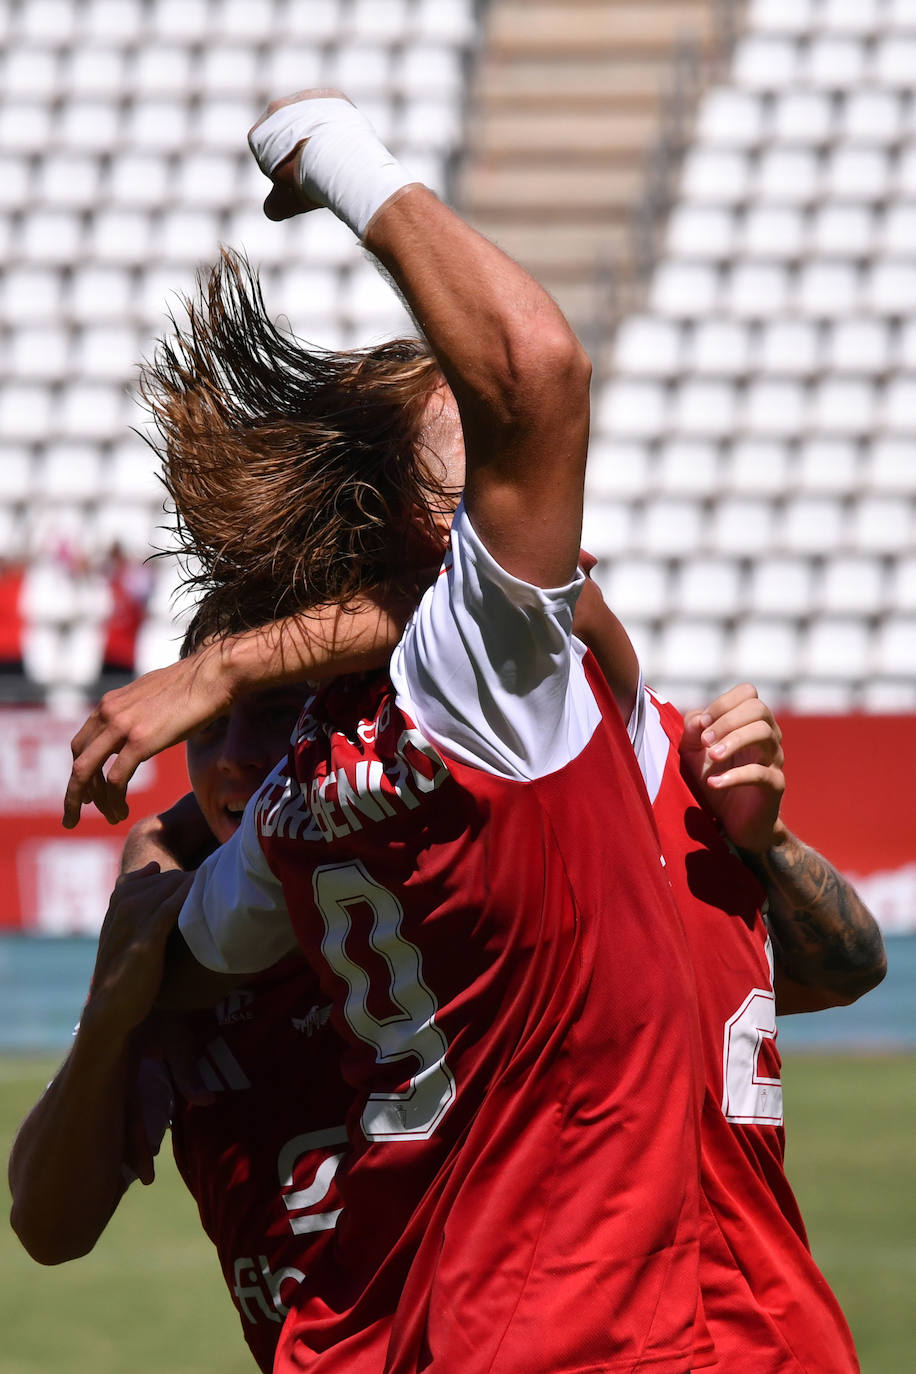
(781, 16)
(852, 584)
(772, 231)
(741, 527)
(671, 528)
(720, 347)
(635, 588)
(756, 465)
(632, 409)
(701, 231)
(765, 62)
(789, 348)
(828, 464)
(690, 649)
(710, 587)
(646, 345)
(688, 467)
(813, 524)
(730, 117)
(684, 290)
(843, 229)
(607, 528)
(801, 116)
(763, 649)
(618, 468)
(780, 586)
(837, 649)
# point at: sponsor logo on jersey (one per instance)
(236, 1007)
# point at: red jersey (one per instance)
(260, 1160)
(499, 944)
(768, 1306)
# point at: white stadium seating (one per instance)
(123, 166)
(770, 379)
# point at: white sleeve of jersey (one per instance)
(234, 919)
(487, 668)
(649, 740)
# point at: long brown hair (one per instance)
(297, 474)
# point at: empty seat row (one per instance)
(778, 406)
(640, 587)
(652, 345)
(830, 61)
(53, 23)
(775, 650)
(750, 526)
(684, 465)
(178, 126)
(819, 288)
(781, 174)
(730, 116)
(831, 229)
(835, 16)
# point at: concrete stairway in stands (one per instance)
(564, 106)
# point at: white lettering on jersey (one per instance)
(248, 1288)
(748, 1098)
(415, 1112)
(252, 1277)
(296, 1200)
(343, 799)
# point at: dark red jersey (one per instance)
(769, 1308)
(260, 1159)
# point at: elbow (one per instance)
(46, 1245)
(867, 976)
(546, 371)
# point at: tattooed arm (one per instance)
(828, 947)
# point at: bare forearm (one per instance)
(323, 643)
(825, 937)
(65, 1166)
(517, 371)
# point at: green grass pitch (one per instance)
(151, 1299)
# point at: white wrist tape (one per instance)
(344, 165)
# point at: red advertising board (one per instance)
(851, 783)
(53, 880)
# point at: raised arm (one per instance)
(828, 947)
(65, 1168)
(516, 370)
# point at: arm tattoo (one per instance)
(825, 934)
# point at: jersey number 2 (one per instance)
(748, 1097)
(411, 1032)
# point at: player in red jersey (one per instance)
(258, 1139)
(510, 976)
(795, 937)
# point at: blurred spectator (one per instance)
(130, 584)
(12, 626)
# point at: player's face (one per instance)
(230, 758)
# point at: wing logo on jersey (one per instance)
(312, 1022)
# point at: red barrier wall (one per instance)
(53, 880)
(851, 789)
